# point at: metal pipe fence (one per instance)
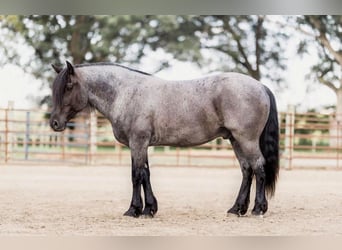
(306, 140)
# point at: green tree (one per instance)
(80, 39)
(326, 33)
(230, 43)
(245, 44)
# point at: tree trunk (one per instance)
(336, 124)
(259, 29)
(339, 105)
(79, 40)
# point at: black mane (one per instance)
(63, 78)
(110, 64)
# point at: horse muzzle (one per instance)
(56, 125)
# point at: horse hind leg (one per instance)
(256, 161)
(261, 205)
(241, 204)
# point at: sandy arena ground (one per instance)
(192, 201)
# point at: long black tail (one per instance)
(269, 145)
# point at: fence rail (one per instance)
(306, 140)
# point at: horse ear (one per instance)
(56, 68)
(71, 70)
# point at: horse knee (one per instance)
(137, 176)
(257, 164)
(140, 175)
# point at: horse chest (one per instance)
(120, 133)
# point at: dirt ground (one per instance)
(61, 200)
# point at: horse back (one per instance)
(196, 111)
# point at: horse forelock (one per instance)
(58, 87)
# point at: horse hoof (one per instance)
(148, 213)
(259, 210)
(258, 214)
(237, 211)
(133, 212)
(146, 216)
(234, 213)
(151, 209)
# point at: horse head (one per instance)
(69, 96)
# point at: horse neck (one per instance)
(101, 85)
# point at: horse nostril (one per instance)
(55, 124)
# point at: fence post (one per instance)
(8, 134)
(27, 135)
(289, 134)
(62, 142)
(338, 125)
(93, 137)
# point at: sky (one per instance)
(296, 92)
(23, 89)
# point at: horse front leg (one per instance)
(151, 205)
(135, 208)
(141, 177)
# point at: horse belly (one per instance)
(187, 122)
(186, 136)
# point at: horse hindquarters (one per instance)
(258, 157)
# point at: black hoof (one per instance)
(260, 209)
(239, 210)
(133, 212)
(147, 215)
(151, 210)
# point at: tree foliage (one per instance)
(326, 33)
(230, 43)
(79, 38)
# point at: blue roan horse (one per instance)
(145, 110)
